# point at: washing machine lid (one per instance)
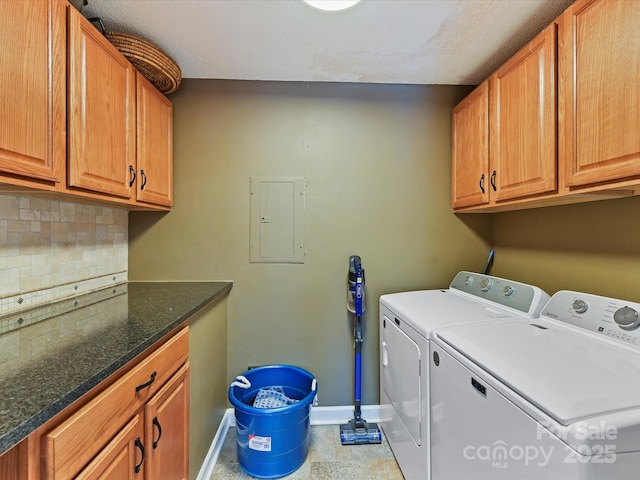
(567, 374)
(471, 297)
(426, 310)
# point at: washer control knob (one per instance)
(626, 318)
(580, 306)
(508, 291)
(468, 281)
(485, 284)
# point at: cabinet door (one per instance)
(101, 112)
(155, 145)
(167, 430)
(71, 444)
(32, 95)
(470, 149)
(10, 464)
(523, 121)
(123, 458)
(601, 105)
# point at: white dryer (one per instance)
(407, 320)
(553, 398)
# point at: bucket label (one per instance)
(262, 444)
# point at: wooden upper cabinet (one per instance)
(523, 133)
(101, 110)
(154, 145)
(601, 104)
(470, 149)
(32, 90)
(505, 131)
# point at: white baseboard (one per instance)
(342, 414)
(317, 416)
(206, 470)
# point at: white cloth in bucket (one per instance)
(272, 397)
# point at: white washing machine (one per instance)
(553, 398)
(407, 320)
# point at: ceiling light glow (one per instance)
(332, 5)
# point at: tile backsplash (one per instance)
(60, 325)
(52, 249)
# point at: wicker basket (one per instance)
(156, 66)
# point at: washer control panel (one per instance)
(619, 319)
(519, 296)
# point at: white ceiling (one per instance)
(458, 42)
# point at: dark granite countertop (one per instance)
(50, 356)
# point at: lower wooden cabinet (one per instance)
(153, 445)
(166, 421)
(116, 459)
(10, 464)
(137, 428)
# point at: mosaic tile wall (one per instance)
(51, 249)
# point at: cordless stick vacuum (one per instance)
(358, 431)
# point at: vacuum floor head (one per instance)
(360, 433)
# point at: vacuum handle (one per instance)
(356, 277)
(354, 265)
(355, 291)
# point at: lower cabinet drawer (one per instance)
(70, 446)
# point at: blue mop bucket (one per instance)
(272, 442)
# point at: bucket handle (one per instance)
(241, 381)
(314, 386)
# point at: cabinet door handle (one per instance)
(132, 175)
(482, 183)
(493, 180)
(156, 424)
(144, 179)
(146, 384)
(139, 445)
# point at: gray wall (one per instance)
(208, 379)
(591, 247)
(377, 161)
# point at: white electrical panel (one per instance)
(277, 220)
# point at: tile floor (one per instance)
(328, 459)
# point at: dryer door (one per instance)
(400, 375)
